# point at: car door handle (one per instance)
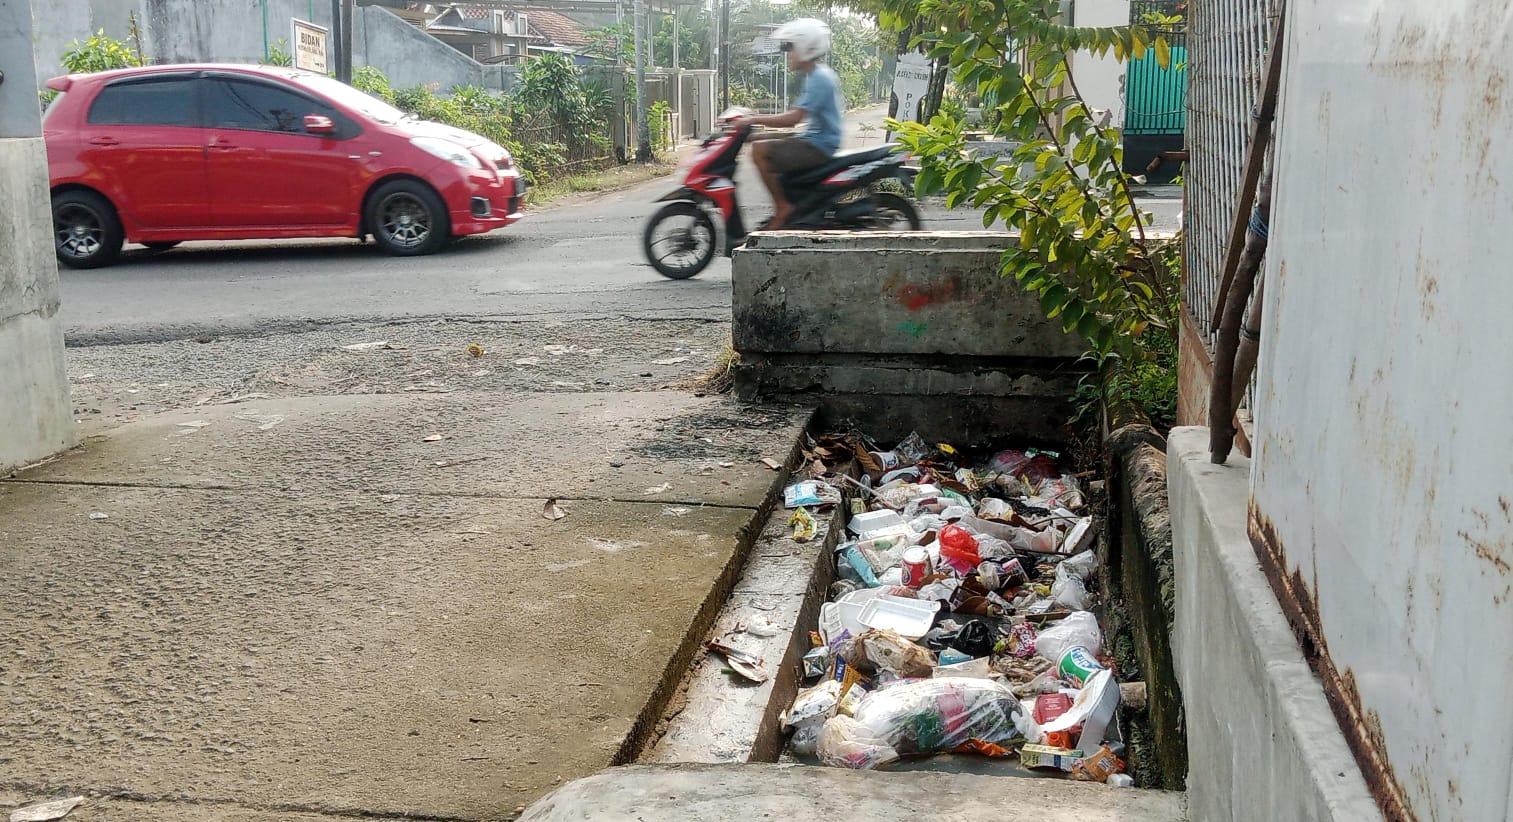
(104, 141)
(220, 142)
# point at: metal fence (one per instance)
(1227, 47)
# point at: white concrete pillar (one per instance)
(35, 417)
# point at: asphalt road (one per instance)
(575, 260)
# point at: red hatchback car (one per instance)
(163, 154)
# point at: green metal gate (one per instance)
(1155, 98)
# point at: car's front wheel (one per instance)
(86, 231)
(408, 218)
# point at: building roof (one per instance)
(554, 28)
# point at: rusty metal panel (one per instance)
(1383, 474)
(1226, 57)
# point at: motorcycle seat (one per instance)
(842, 160)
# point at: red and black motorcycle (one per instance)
(849, 193)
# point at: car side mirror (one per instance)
(319, 124)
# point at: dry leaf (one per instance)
(433, 438)
(772, 463)
(475, 350)
(553, 511)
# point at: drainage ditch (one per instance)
(919, 606)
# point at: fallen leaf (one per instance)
(46, 811)
(367, 346)
(433, 438)
(475, 350)
(670, 361)
(553, 511)
(266, 422)
(772, 463)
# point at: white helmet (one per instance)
(806, 37)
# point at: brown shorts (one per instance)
(790, 154)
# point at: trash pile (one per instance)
(959, 618)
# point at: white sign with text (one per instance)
(911, 82)
(310, 47)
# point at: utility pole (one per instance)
(336, 37)
(344, 68)
(643, 128)
(724, 54)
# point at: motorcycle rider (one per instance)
(806, 42)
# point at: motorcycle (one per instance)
(847, 193)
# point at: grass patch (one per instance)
(610, 179)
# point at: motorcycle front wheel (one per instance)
(680, 240)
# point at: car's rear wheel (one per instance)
(408, 218)
(86, 231)
(160, 245)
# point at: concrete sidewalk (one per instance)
(717, 793)
(353, 605)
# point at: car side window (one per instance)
(260, 107)
(152, 102)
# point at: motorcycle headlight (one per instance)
(447, 150)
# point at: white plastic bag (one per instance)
(1081, 628)
(1069, 591)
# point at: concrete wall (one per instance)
(1383, 453)
(1262, 743)
(240, 31)
(35, 416)
(409, 57)
(903, 330)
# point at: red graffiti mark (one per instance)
(915, 296)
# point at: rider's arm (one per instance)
(787, 119)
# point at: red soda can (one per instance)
(916, 567)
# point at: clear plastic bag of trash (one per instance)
(1062, 491)
(1031, 465)
(808, 714)
(845, 743)
(925, 717)
(1081, 628)
(875, 651)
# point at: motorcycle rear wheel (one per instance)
(679, 252)
(895, 213)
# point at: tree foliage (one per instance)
(1084, 248)
(100, 52)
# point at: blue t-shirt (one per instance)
(821, 101)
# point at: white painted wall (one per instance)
(1384, 454)
(1101, 79)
